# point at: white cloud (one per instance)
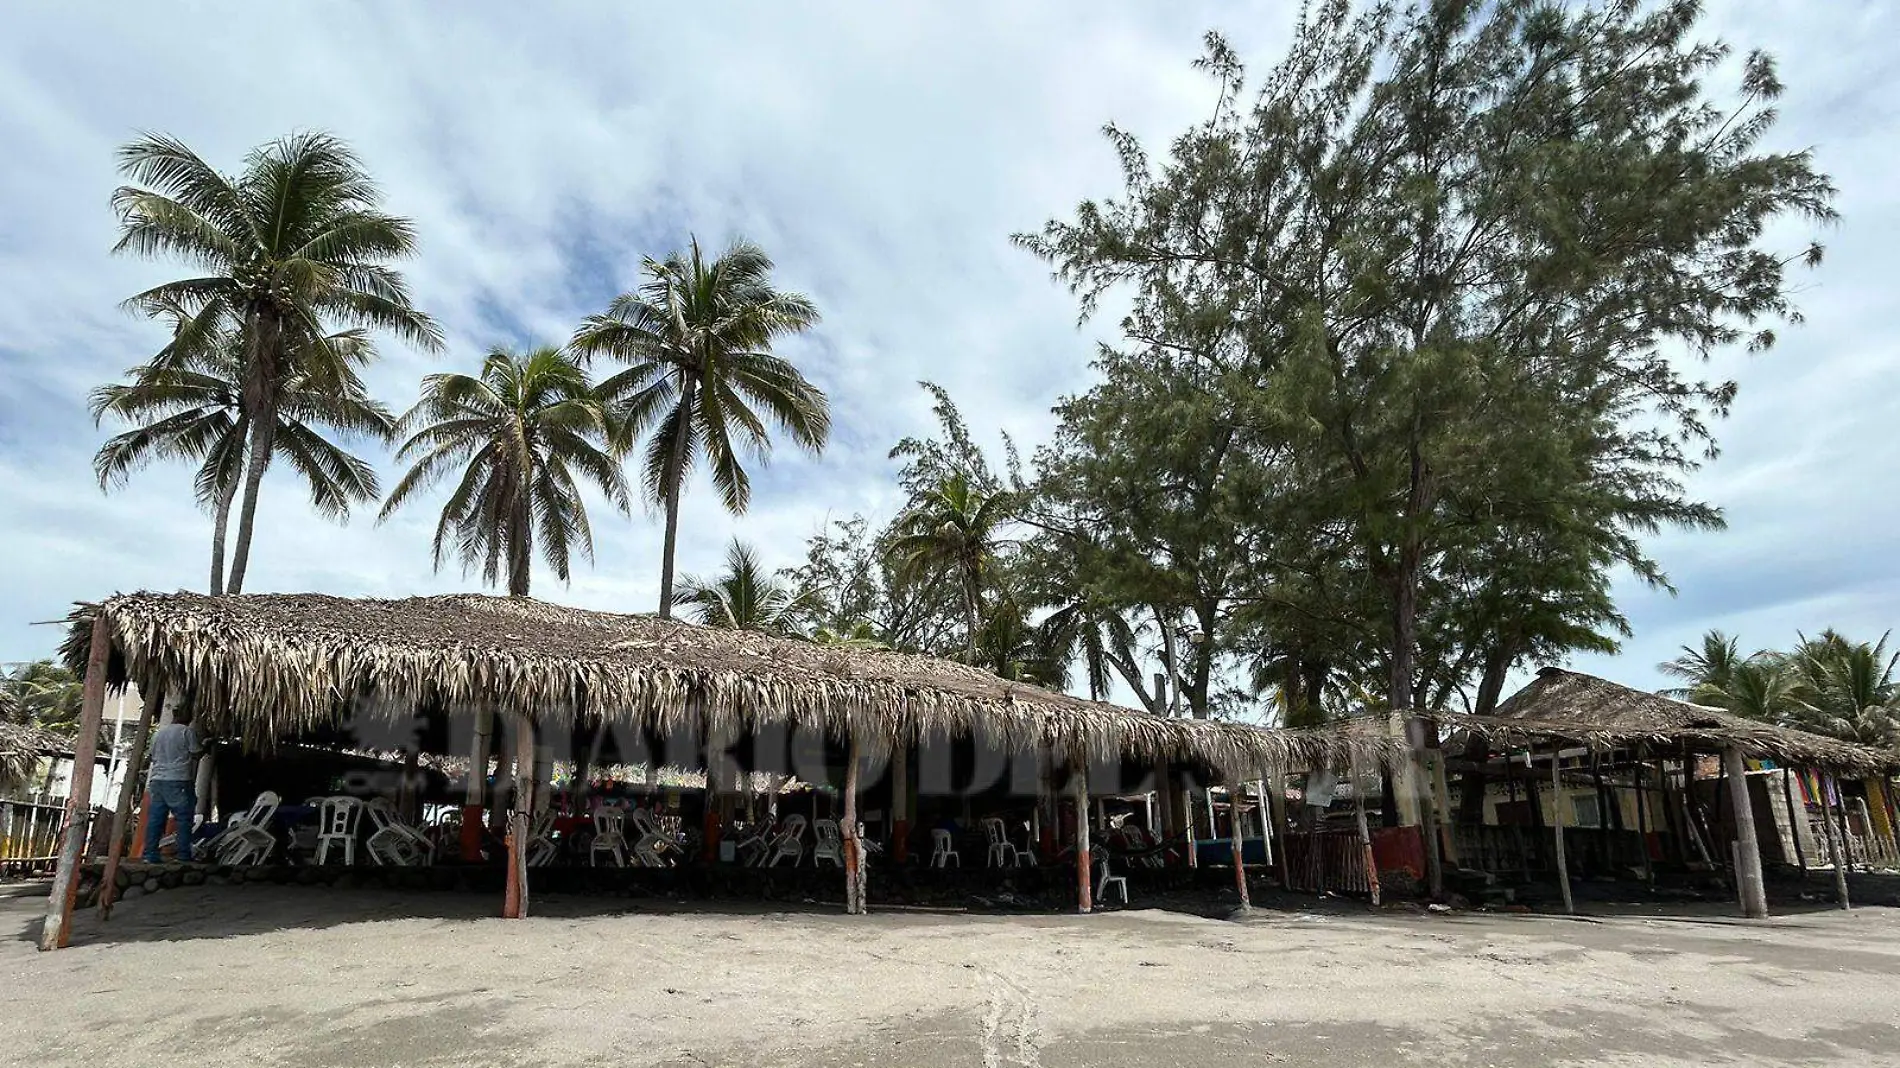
(883, 154)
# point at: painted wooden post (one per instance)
(473, 792)
(1237, 835)
(1084, 897)
(1834, 852)
(58, 929)
(1748, 878)
(1557, 823)
(515, 904)
(854, 881)
(154, 699)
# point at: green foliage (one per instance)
(521, 432)
(745, 597)
(696, 337)
(1830, 685)
(42, 694)
(1402, 383)
(954, 531)
(292, 247)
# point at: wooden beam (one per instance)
(1748, 879)
(154, 699)
(1642, 815)
(1557, 823)
(1834, 852)
(1079, 780)
(900, 804)
(854, 881)
(57, 932)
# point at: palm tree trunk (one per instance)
(970, 620)
(260, 402)
(521, 547)
(220, 522)
(675, 477)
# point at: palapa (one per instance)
(1601, 714)
(269, 667)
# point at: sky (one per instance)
(882, 154)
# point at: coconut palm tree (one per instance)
(521, 432)
(746, 597)
(955, 529)
(294, 241)
(1762, 687)
(1707, 670)
(1849, 689)
(187, 404)
(41, 694)
(697, 337)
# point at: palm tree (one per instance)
(521, 431)
(955, 529)
(41, 694)
(294, 241)
(1761, 687)
(1707, 670)
(696, 337)
(1850, 689)
(188, 404)
(746, 597)
(1094, 634)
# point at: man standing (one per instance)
(175, 751)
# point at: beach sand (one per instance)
(303, 977)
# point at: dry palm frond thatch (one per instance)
(267, 667)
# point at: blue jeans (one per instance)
(175, 798)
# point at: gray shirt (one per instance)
(172, 746)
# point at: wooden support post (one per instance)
(1238, 836)
(1276, 811)
(515, 906)
(1187, 824)
(1847, 839)
(1365, 834)
(1557, 823)
(1748, 879)
(854, 881)
(1079, 778)
(1266, 829)
(1796, 812)
(900, 804)
(1642, 816)
(1836, 855)
(474, 792)
(154, 699)
(57, 932)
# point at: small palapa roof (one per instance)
(1602, 714)
(271, 666)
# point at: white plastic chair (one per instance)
(1002, 852)
(1104, 882)
(943, 849)
(651, 844)
(790, 842)
(392, 841)
(541, 845)
(610, 836)
(829, 844)
(336, 826)
(247, 839)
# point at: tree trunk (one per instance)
(220, 523)
(970, 617)
(1477, 747)
(260, 403)
(521, 544)
(675, 485)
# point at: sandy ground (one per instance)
(295, 976)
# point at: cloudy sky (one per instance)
(883, 153)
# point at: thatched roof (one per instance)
(1603, 714)
(270, 666)
(26, 738)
